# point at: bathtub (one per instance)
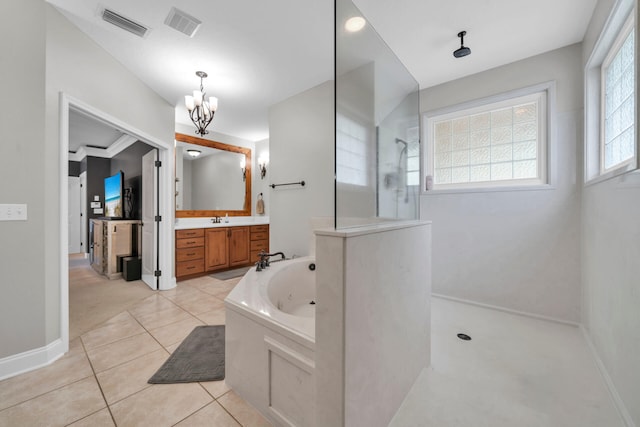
(270, 341)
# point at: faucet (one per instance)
(216, 220)
(264, 259)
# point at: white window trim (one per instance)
(593, 174)
(547, 146)
(621, 36)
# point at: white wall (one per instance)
(301, 141)
(261, 185)
(611, 267)
(515, 249)
(373, 320)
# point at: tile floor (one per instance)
(516, 371)
(102, 381)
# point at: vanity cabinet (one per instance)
(203, 250)
(217, 249)
(189, 251)
(258, 242)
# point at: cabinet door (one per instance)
(216, 249)
(239, 246)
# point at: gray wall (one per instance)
(610, 267)
(301, 140)
(79, 67)
(30, 153)
(515, 249)
(23, 314)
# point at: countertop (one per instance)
(234, 221)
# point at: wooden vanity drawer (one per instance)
(255, 256)
(264, 235)
(192, 232)
(189, 267)
(190, 243)
(258, 245)
(189, 254)
(259, 229)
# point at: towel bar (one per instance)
(302, 183)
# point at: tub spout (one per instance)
(265, 260)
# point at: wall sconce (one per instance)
(262, 163)
(243, 167)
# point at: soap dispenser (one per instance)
(226, 217)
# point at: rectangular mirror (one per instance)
(210, 180)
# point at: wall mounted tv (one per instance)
(113, 200)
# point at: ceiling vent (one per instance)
(125, 23)
(183, 22)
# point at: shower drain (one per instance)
(464, 337)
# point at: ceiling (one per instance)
(283, 47)
(86, 131)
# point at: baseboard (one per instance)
(613, 392)
(30, 360)
(508, 310)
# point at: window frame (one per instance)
(544, 93)
(622, 12)
(612, 52)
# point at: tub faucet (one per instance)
(264, 259)
(268, 256)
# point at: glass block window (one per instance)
(351, 151)
(501, 143)
(618, 113)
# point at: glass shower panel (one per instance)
(377, 128)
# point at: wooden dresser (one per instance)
(204, 250)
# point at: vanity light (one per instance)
(194, 153)
(243, 167)
(355, 24)
(262, 163)
(201, 111)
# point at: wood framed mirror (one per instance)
(211, 184)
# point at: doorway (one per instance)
(163, 269)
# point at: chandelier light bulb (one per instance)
(201, 111)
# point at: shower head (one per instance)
(398, 140)
(463, 51)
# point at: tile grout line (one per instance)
(95, 377)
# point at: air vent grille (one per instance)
(124, 23)
(183, 22)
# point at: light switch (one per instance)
(13, 212)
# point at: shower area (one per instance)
(373, 280)
(377, 128)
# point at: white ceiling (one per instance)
(258, 52)
(86, 131)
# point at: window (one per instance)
(351, 151)
(609, 114)
(500, 143)
(413, 156)
(617, 115)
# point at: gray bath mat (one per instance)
(200, 357)
(230, 274)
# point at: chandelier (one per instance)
(201, 111)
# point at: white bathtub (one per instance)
(270, 341)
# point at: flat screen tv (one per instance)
(113, 191)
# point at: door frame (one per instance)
(165, 240)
